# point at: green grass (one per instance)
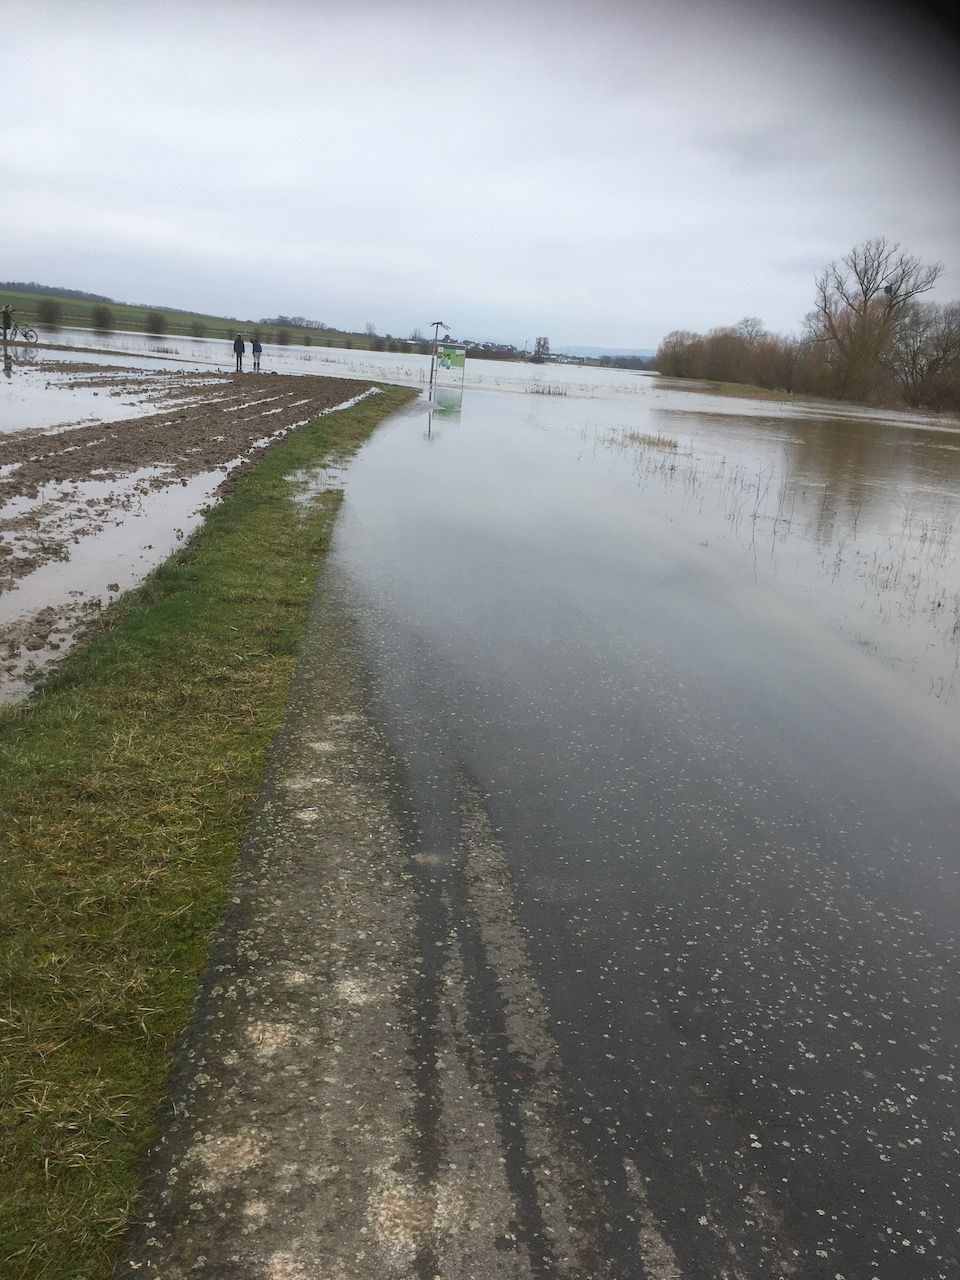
(128, 781)
(78, 313)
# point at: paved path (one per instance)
(369, 1087)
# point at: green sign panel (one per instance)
(452, 357)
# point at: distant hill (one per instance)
(50, 290)
(54, 307)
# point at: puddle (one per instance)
(48, 393)
(100, 566)
(41, 400)
(87, 510)
(314, 482)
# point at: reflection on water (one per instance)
(16, 356)
(444, 407)
(858, 519)
(447, 402)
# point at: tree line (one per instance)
(871, 337)
(31, 286)
(50, 315)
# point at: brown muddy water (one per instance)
(699, 658)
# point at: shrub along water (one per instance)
(128, 781)
(870, 338)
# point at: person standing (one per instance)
(239, 347)
(256, 348)
(7, 315)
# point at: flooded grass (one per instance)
(739, 389)
(544, 389)
(894, 572)
(645, 439)
(128, 783)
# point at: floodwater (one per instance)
(699, 658)
(672, 683)
(93, 538)
(140, 350)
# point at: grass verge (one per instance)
(128, 782)
(740, 389)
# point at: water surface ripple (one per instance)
(699, 660)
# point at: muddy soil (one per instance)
(69, 482)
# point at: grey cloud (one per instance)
(607, 172)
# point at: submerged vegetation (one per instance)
(904, 573)
(128, 781)
(629, 436)
(820, 505)
(870, 338)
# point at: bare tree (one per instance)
(859, 302)
(925, 357)
(871, 336)
(678, 354)
(751, 330)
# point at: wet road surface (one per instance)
(600, 914)
(730, 825)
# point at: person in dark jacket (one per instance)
(239, 347)
(256, 348)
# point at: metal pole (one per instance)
(436, 326)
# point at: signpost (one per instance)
(436, 326)
(445, 355)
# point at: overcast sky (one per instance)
(598, 172)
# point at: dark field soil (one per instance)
(61, 485)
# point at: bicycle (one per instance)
(24, 331)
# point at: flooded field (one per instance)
(105, 469)
(691, 666)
